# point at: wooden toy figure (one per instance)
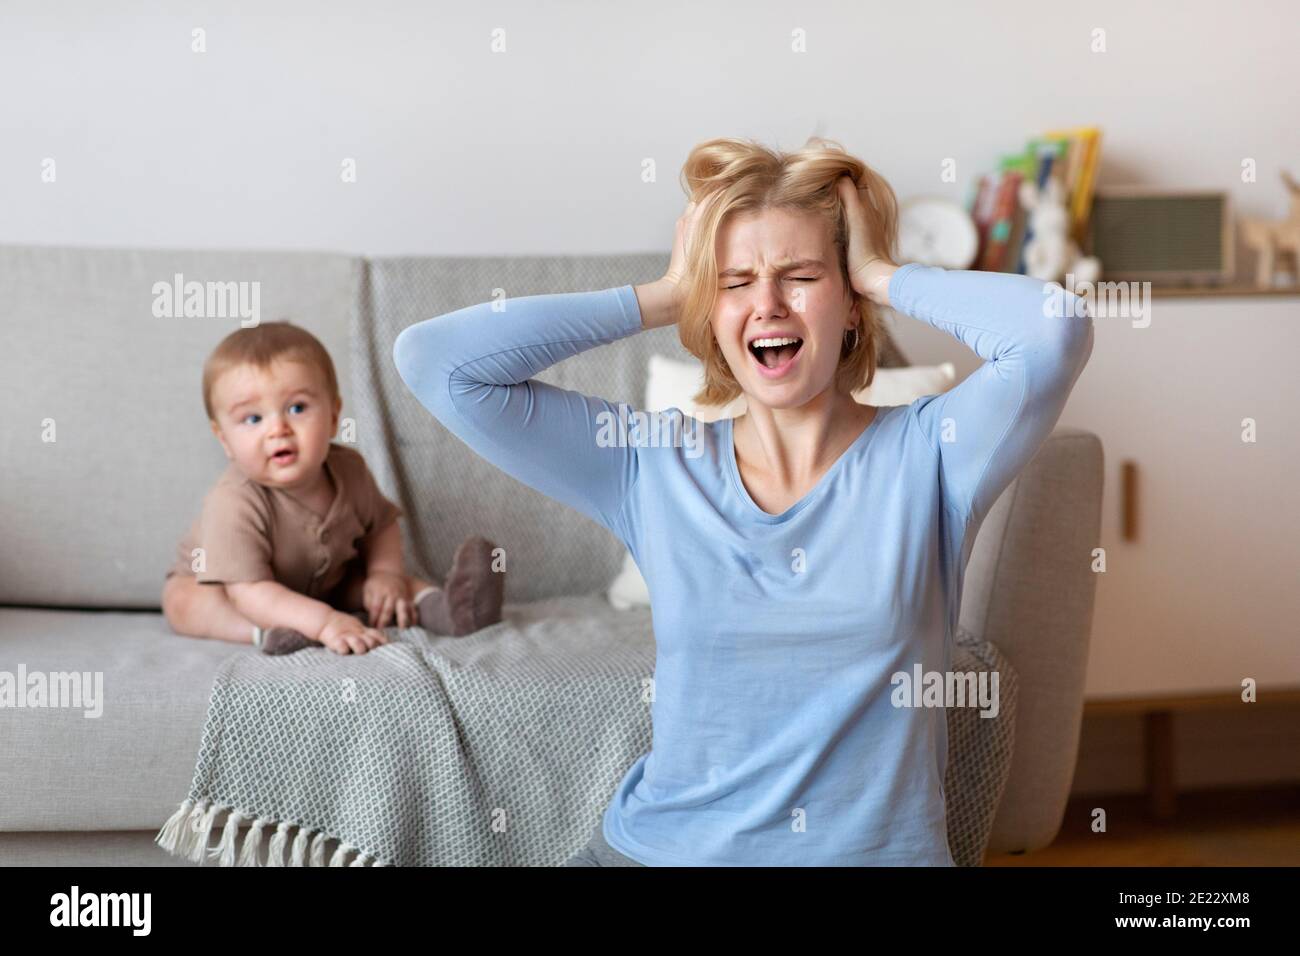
(1273, 239)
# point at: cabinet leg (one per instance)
(1158, 734)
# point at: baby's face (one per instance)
(275, 425)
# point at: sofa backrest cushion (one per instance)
(92, 517)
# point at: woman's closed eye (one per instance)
(793, 278)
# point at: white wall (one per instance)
(539, 149)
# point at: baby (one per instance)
(296, 546)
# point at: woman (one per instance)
(817, 546)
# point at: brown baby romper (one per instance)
(251, 532)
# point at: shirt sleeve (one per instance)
(235, 535)
(472, 369)
(1035, 338)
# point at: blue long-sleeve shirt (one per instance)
(775, 741)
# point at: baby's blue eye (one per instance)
(299, 405)
(251, 415)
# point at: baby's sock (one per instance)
(473, 595)
(281, 640)
(485, 587)
(435, 615)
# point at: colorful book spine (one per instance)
(1082, 183)
(980, 209)
(1003, 221)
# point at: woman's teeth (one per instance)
(772, 352)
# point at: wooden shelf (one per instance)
(1161, 292)
(1116, 706)
(1234, 289)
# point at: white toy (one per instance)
(1050, 253)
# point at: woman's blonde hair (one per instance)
(731, 176)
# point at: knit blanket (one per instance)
(500, 748)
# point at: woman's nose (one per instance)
(768, 296)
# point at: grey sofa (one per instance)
(105, 455)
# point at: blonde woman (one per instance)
(817, 546)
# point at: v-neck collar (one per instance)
(729, 441)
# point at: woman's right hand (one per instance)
(661, 301)
(676, 274)
(344, 634)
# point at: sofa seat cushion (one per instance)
(126, 768)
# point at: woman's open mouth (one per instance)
(775, 357)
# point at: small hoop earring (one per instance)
(856, 338)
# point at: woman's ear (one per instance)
(856, 319)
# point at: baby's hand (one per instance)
(385, 594)
(344, 634)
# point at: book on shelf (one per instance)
(1081, 175)
(1002, 221)
(1070, 157)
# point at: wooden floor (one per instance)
(1210, 828)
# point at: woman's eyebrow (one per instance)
(781, 267)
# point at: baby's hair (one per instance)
(261, 345)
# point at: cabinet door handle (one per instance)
(1129, 500)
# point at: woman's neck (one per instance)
(794, 446)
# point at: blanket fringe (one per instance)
(299, 856)
(318, 850)
(275, 849)
(198, 844)
(188, 832)
(340, 852)
(190, 829)
(224, 851)
(169, 836)
(252, 841)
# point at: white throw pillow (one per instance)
(671, 383)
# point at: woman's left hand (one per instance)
(869, 271)
(385, 594)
